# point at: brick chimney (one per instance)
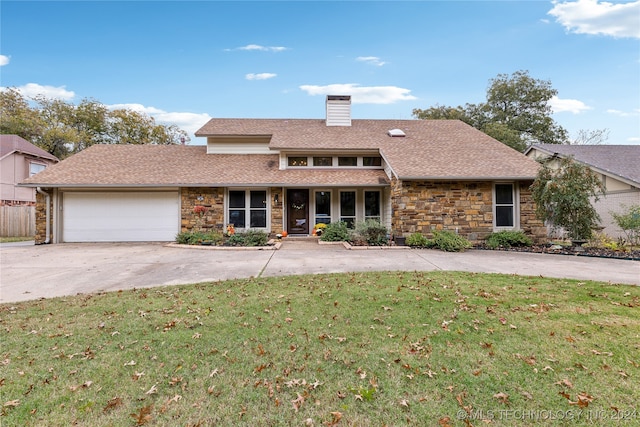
(338, 110)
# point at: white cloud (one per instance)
(596, 17)
(362, 94)
(571, 105)
(189, 122)
(260, 48)
(372, 60)
(33, 89)
(4, 60)
(619, 113)
(260, 76)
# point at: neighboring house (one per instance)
(290, 174)
(617, 165)
(20, 159)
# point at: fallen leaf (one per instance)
(143, 416)
(152, 390)
(112, 404)
(502, 397)
(12, 403)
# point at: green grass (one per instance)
(15, 239)
(353, 349)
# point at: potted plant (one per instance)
(319, 228)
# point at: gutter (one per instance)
(48, 214)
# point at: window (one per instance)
(348, 207)
(34, 168)
(347, 161)
(323, 161)
(297, 161)
(372, 205)
(504, 206)
(371, 161)
(256, 213)
(323, 207)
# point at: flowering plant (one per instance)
(231, 230)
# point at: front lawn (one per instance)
(347, 349)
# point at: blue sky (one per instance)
(184, 62)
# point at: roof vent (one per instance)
(338, 110)
(396, 133)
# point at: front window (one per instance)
(371, 161)
(297, 161)
(504, 206)
(372, 205)
(323, 207)
(348, 207)
(323, 161)
(347, 161)
(34, 168)
(248, 207)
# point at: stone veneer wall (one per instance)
(531, 225)
(424, 206)
(212, 199)
(41, 218)
(277, 210)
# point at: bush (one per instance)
(418, 240)
(372, 233)
(197, 237)
(629, 223)
(249, 238)
(336, 232)
(507, 239)
(449, 241)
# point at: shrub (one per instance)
(507, 239)
(336, 232)
(372, 232)
(629, 223)
(418, 240)
(449, 241)
(249, 238)
(562, 197)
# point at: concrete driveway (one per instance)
(32, 272)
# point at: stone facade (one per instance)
(277, 210)
(464, 207)
(212, 199)
(41, 219)
(531, 225)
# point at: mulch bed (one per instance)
(633, 255)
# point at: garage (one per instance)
(120, 216)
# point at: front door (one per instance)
(298, 211)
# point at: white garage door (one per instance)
(120, 217)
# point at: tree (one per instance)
(516, 112)
(591, 137)
(63, 128)
(16, 117)
(563, 197)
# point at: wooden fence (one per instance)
(17, 221)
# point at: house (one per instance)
(617, 165)
(20, 159)
(290, 174)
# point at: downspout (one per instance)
(48, 213)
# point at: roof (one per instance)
(430, 149)
(622, 161)
(14, 143)
(179, 165)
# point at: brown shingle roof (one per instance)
(13, 143)
(431, 149)
(438, 149)
(618, 160)
(177, 165)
